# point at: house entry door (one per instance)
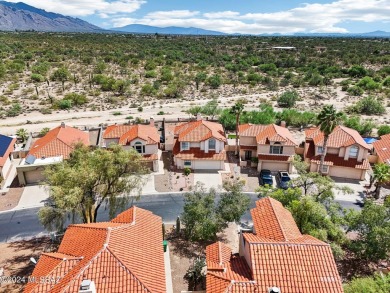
(248, 155)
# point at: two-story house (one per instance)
(143, 138)
(382, 149)
(273, 145)
(199, 145)
(273, 257)
(346, 153)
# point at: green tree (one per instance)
(236, 110)
(195, 110)
(44, 131)
(81, 184)
(200, 77)
(62, 74)
(214, 81)
(211, 108)
(77, 99)
(233, 203)
(288, 99)
(195, 275)
(368, 106)
(381, 174)
(328, 119)
(383, 130)
(199, 215)
(372, 225)
(22, 134)
(376, 284)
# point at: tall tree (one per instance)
(237, 109)
(81, 184)
(381, 175)
(22, 134)
(328, 120)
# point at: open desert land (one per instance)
(106, 79)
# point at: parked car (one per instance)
(265, 177)
(283, 179)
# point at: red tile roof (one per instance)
(335, 160)
(124, 255)
(278, 255)
(340, 137)
(274, 158)
(7, 149)
(151, 157)
(127, 133)
(59, 141)
(197, 154)
(382, 148)
(267, 133)
(197, 131)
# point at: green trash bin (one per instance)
(165, 244)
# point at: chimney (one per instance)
(151, 121)
(63, 124)
(274, 290)
(283, 124)
(87, 286)
(198, 117)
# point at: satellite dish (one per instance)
(33, 260)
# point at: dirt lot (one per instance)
(15, 261)
(11, 199)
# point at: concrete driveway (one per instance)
(33, 196)
(209, 178)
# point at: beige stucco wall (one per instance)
(248, 140)
(344, 172)
(274, 166)
(244, 250)
(4, 170)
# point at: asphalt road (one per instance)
(25, 224)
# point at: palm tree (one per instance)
(381, 176)
(237, 109)
(22, 134)
(328, 120)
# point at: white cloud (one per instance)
(171, 14)
(313, 17)
(86, 7)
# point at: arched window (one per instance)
(139, 147)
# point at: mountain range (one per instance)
(23, 17)
(20, 16)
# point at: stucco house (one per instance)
(273, 145)
(382, 149)
(346, 153)
(199, 145)
(52, 148)
(7, 145)
(143, 138)
(273, 257)
(123, 255)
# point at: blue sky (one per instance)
(231, 16)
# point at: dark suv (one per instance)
(265, 177)
(283, 179)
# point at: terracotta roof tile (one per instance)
(340, 137)
(149, 157)
(58, 142)
(124, 255)
(267, 133)
(127, 133)
(217, 254)
(382, 148)
(279, 256)
(282, 158)
(197, 131)
(335, 160)
(197, 154)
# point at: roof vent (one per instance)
(63, 124)
(87, 286)
(274, 290)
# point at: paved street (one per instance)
(24, 223)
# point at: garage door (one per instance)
(275, 166)
(33, 177)
(206, 165)
(350, 173)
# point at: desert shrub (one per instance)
(214, 81)
(129, 117)
(140, 109)
(288, 99)
(77, 99)
(161, 113)
(375, 284)
(355, 91)
(368, 83)
(367, 106)
(37, 77)
(45, 111)
(15, 110)
(364, 127)
(187, 171)
(150, 74)
(64, 104)
(383, 129)
(117, 113)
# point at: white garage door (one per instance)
(33, 177)
(275, 166)
(206, 165)
(350, 173)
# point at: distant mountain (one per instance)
(376, 34)
(20, 16)
(171, 30)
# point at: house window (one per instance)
(325, 169)
(139, 147)
(211, 144)
(276, 148)
(187, 163)
(320, 150)
(185, 145)
(353, 151)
